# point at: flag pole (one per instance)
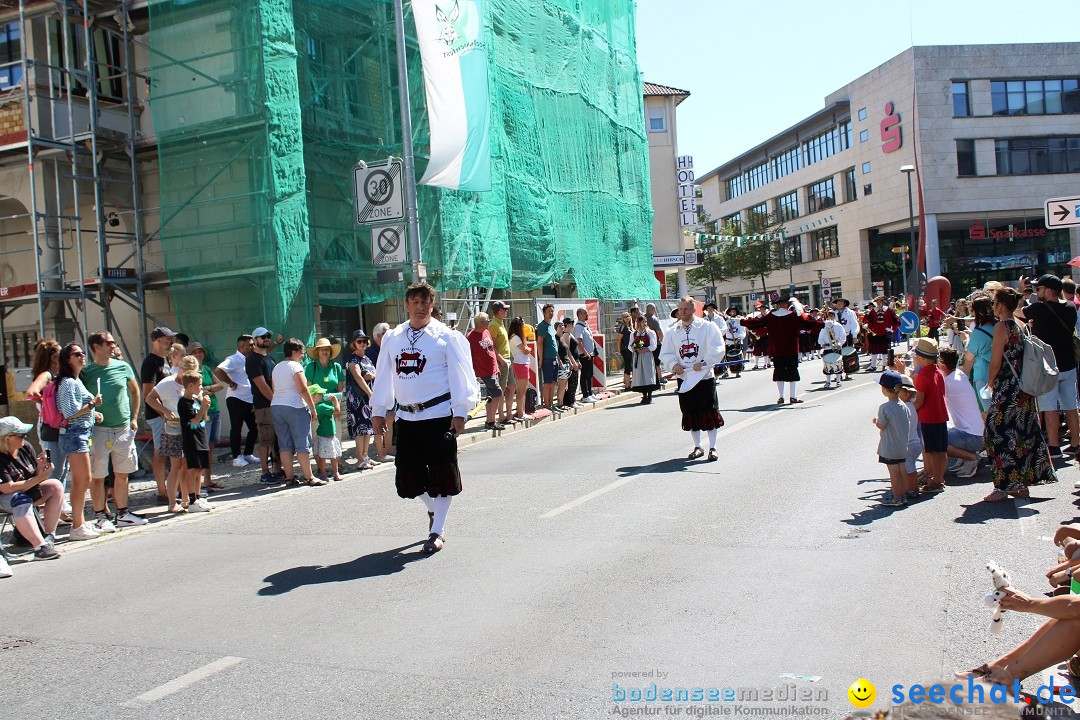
(411, 213)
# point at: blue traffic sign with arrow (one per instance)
(909, 322)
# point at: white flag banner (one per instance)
(453, 51)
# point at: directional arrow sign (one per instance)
(909, 322)
(1062, 212)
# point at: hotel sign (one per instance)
(684, 177)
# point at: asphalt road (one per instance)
(582, 551)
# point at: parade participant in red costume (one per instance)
(783, 327)
(880, 322)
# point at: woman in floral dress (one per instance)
(359, 376)
(1014, 442)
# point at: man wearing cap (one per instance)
(260, 368)
(586, 351)
(850, 320)
(232, 372)
(691, 348)
(501, 340)
(880, 322)
(783, 327)
(1054, 323)
(932, 412)
(428, 372)
(114, 436)
(151, 373)
(734, 336)
(24, 483)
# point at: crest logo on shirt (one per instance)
(688, 350)
(410, 362)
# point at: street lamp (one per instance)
(902, 250)
(907, 170)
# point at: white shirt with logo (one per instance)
(233, 366)
(422, 365)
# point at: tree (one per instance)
(711, 270)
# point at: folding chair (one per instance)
(4, 526)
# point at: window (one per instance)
(961, 103)
(787, 207)
(785, 163)
(758, 216)
(866, 168)
(867, 190)
(106, 53)
(864, 135)
(862, 113)
(824, 244)
(795, 248)
(965, 158)
(845, 135)
(11, 68)
(1037, 156)
(733, 220)
(1035, 97)
(850, 191)
(657, 119)
(820, 195)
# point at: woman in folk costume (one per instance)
(880, 321)
(691, 347)
(643, 370)
(783, 326)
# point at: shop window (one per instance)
(961, 100)
(965, 158)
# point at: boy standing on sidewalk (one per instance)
(893, 422)
(933, 415)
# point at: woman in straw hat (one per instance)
(325, 371)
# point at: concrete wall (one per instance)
(667, 234)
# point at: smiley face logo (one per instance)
(862, 693)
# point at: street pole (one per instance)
(907, 170)
(902, 250)
(411, 213)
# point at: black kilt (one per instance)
(700, 410)
(426, 459)
(879, 344)
(786, 368)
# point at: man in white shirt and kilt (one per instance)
(426, 368)
(691, 347)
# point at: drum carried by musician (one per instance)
(831, 338)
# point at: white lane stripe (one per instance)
(182, 682)
(723, 433)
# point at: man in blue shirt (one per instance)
(547, 356)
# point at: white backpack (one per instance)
(1039, 370)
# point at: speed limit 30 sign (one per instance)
(379, 198)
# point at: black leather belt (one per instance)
(424, 405)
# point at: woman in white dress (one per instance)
(643, 376)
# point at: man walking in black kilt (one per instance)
(691, 348)
(430, 377)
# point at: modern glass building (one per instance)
(992, 132)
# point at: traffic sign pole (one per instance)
(407, 146)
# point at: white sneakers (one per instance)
(103, 525)
(251, 459)
(239, 461)
(5, 569)
(83, 532)
(130, 519)
(200, 505)
(968, 468)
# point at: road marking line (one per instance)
(184, 681)
(723, 433)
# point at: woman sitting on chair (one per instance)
(24, 483)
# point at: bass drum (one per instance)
(833, 363)
(734, 354)
(850, 360)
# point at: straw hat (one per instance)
(313, 351)
(927, 348)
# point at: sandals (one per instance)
(996, 496)
(780, 401)
(214, 486)
(698, 452)
(713, 457)
(928, 490)
(434, 544)
(314, 482)
(794, 401)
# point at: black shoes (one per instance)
(434, 544)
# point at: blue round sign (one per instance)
(909, 322)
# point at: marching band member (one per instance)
(690, 348)
(783, 326)
(831, 338)
(430, 377)
(880, 322)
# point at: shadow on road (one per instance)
(664, 466)
(387, 562)
(1007, 509)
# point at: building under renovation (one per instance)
(190, 163)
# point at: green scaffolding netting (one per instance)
(262, 108)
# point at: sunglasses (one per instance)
(267, 336)
(78, 354)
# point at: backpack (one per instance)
(1038, 369)
(531, 400)
(50, 413)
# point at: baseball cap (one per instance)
(260, 332)
(160, 332)
(1050, 282)
(499, 305)
(191, 348)
(316, 389)
(12, 425)
(890, 380)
